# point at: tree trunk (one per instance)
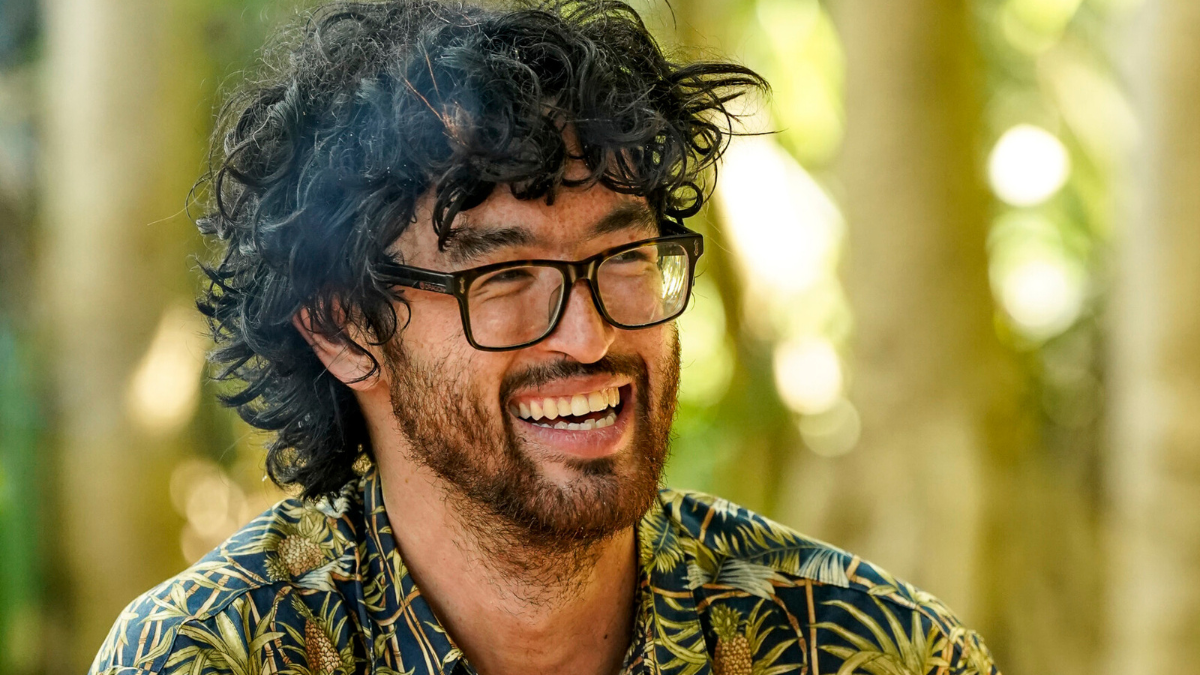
(935, 390)
(119, 146)
(1155, 358)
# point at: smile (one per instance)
(578, 412)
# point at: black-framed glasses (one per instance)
(514, 304)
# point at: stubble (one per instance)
(540, 533)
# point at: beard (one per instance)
(519, 517)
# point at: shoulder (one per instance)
(296, 547)
(849, 608)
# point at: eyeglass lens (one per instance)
(637, 287)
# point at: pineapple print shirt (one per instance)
(319, 588)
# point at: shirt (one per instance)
(319, 588)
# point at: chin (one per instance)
(590, 499)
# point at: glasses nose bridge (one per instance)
(584, 270)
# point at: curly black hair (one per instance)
(363, 108)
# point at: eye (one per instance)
(637, 255)
(503, 282)
(509, 276)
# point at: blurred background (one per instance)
(949, 316)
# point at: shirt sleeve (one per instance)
(137, 642)
(971, 657)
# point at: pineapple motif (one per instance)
(323, 657)
(732, 655)
(299, 554)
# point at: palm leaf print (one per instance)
(748, 577)
(240, 652)
(893, 652)
(322, 589)
(660, 549)
(757, 631)
(771, 544)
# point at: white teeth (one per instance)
(579, 405)
(587, 425)
(597, 401)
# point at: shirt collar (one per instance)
(679, 644)
(403, 624)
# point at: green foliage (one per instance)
(20, 501)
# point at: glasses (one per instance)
(515, 304)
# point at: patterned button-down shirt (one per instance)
(320, 588)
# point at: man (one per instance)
(453, 252)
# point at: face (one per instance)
(564, 440)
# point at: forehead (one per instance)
(569, 227)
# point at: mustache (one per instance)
(545, 373)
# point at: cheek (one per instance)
(434, 337)
(655, 345)
(434, 325)
(661, 353)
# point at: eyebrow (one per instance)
(627, 216)
(469, 242)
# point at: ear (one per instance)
(348, 365)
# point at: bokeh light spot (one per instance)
(1043, 296)
(214, 505)
(808, 375)
(834, 432)
(1028, 165)
(1045, 16)
(707, 357)
(165, 387)
(783, 226)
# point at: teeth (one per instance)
(587, 425)
(597, 401)
(578, 405)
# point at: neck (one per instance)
(510, 605)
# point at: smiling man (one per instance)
(453, 247)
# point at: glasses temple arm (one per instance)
(415, 277)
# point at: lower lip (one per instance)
(582, 443)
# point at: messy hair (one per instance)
(362, 109)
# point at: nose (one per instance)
(582, 333)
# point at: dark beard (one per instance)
(521, 519)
